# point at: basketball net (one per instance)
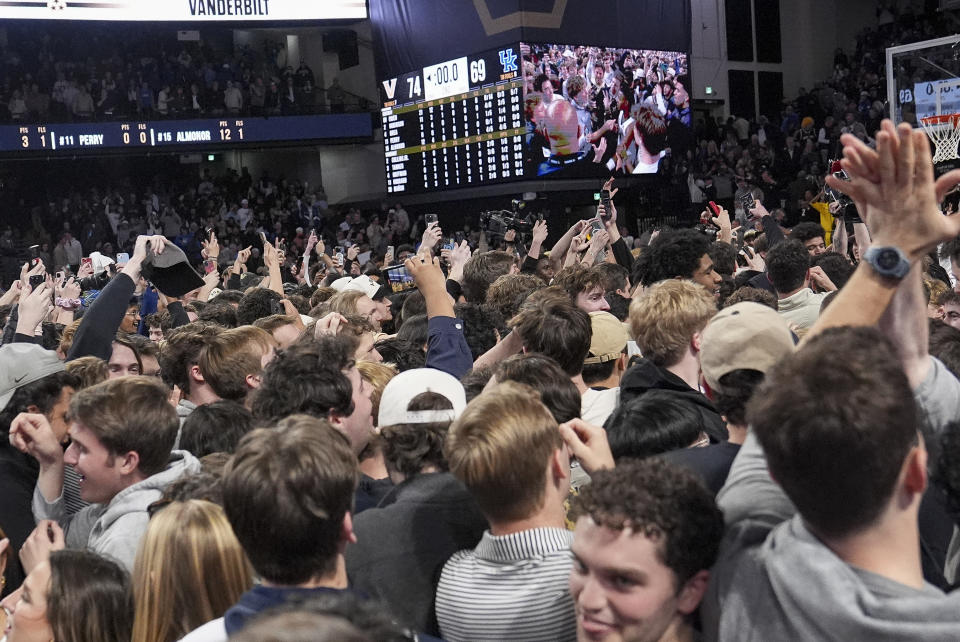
(944, 131)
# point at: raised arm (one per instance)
(895, 190)
(447, 348)
(100, 323)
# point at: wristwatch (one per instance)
(887, 261)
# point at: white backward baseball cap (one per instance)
(401, 390)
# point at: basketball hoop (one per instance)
(944, 131)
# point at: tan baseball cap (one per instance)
(609, 338)
(745, 336)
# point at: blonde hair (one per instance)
(499, 448)
(937, 289)
(664, 319)
(378, 375)
(189, 570)
(344, 302)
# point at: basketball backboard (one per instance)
(923, 79)
(923, 88)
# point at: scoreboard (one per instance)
(209, 133)
(455, 123)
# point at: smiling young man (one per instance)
(680, 254)
(646, 535)
(122, 432)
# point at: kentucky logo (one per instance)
(509, 60)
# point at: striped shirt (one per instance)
(510, 587)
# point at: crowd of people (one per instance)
(231, 411)
(784, 157)
(552, 441)
(129, 71)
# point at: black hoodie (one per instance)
(644, 375)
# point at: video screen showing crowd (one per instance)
(596, 111)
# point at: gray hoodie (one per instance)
(774, 580)
(781, 583)
(115, 530)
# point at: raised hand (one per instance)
(35, 305)
(895, 191)
(758, 210)
(818, 276)
(211, 248)
(31, 433)
(329, 324)
(754, 260)
(431, 236)
(156, 243)
(600, 149)
(26, 272)
(599, 241)
(426, 273)
(45, 538)
(85, 270)
(540, 232)
(588, 443)
(721, 220)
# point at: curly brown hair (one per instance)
(664, 502)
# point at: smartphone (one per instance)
(87, 261)
(398, 278)
(605, 201)
(123, 258)
(263, 238)
(448, 244)
(430, 218)
(747, 201)
(595, 225)
(390, 250)
(458, 237)
(209, 266)
(714, 208)
(36, 280)
(338, 257)
(34, 255)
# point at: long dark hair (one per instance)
(90, 598)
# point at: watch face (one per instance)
(888, 259)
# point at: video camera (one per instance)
(498, 222)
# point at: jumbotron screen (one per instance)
(596, 111)
(455, 123)
(533, 111)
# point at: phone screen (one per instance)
(399, 278)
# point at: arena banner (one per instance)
(410, 34)
(183, 10)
